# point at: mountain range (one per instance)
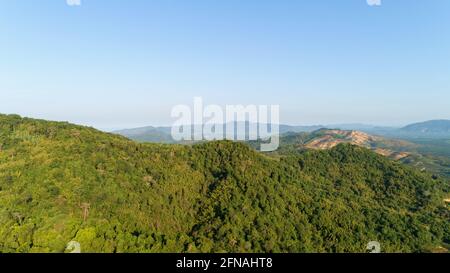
(433, 126)
(430, 129)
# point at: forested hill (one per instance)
(60, 183)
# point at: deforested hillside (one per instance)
(61, 183)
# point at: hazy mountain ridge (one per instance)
(426, 150)
(148, 134)
(327, 139)
(432, 126)
(431, 155)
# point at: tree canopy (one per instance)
(61, 182)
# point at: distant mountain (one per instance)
(163, 134)
(370, 129)
(422, 153)
(326, 139)
(148, 134)
(352, 126)
(432, 126)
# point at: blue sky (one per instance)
(114, 63)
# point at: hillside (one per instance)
(329, 138)
(61, 182)
(163, 134)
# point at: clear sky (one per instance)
(115, 63)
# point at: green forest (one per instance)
(61, 182)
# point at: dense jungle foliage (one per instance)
(61, 182)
